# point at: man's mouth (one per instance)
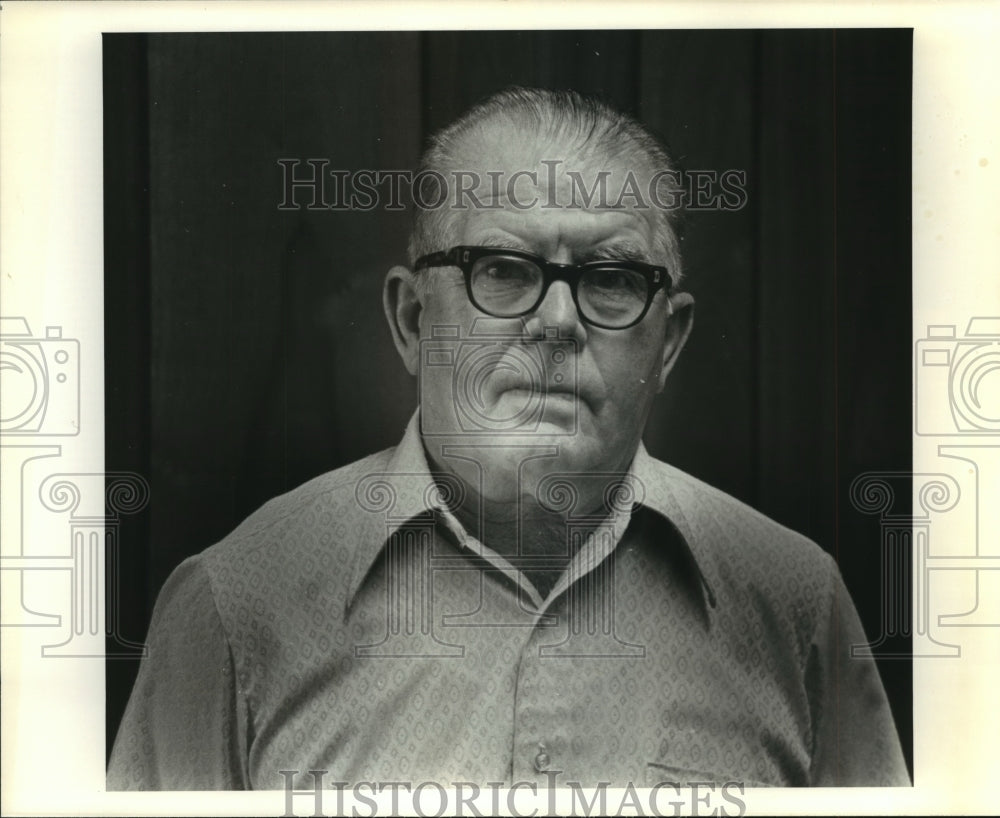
(557, 397)
(541, 390)
(515, 383)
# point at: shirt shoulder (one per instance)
(322, 509)
(280, 575)
(709, 513)
(332, 495)
(751, 562)
(298, 546)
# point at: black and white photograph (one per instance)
(555, 350)
(495, 418)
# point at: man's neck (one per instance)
(498, 505)
(534, 539)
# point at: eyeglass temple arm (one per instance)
(441, 258)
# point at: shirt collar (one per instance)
(667, 491)
(405, 490)
(400, 492)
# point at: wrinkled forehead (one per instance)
(552, 192)
(504, 161)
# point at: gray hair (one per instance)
(584, 124)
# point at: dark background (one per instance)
(245, 346)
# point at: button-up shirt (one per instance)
(353, 626)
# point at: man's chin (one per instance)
(547, 448)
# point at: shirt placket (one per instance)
(574, 624)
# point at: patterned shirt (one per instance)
(353, 626)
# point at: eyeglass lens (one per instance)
(508, 286)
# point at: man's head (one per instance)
(571, 127)
(573, 367)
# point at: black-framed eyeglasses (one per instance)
(512, 283)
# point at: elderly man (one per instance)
(518, 591)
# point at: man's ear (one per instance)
(402, 303)
(678, 329)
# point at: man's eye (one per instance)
(503, 271)
(618, 281)
(609, 279)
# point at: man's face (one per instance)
(593, 404)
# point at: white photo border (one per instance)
(51, 273)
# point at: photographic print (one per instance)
(260, 187)
(511, 419)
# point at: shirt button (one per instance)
(542, 761)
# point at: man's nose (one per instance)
(558, 310)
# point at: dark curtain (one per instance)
(245, 346)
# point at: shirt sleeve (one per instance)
(854, 735)
(185, 724)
